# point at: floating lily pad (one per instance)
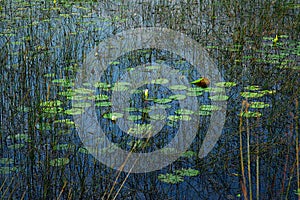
(65, 121)
(160, 106)
(102, 85)
(144, 110)
(170, 178)
(83, 91)
(8, 170)
(43, 126)
(163, 100)
(204, 113)
(187, 172)
(157, 117)
(74, 111)
(178, 87)
(258, 105)
(140, 129)
(6, 161)
(81, 105)
(103, 104)
(178, 97)
(77, 97)
(179, 117)
(134, 117)
(83, 150)
(209, 107)
(63, 82)
(68, 93)
(57, 162)
(189, 154)
(214, 89)
(120, 88)
(131, 109)
(51, 103)
(101, 97)
(195, 89)
(52, 110)
(268, 91)
(184, 112)
(225, 84)
(160, 81)
(219, 98)
(113, 115)
(251, 94)
(252, 88)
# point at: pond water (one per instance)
(98, 104)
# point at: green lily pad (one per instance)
(103, 104)
(83, 91)
(160, 81)
(51, 103)
(252, 88)
(102, 85)
(219, 97)
(134, 117)
(209, 107)
(77, 97)
(195, 89)
(74, 111)
(131, 109)
(187, 172)
(204, 113)
(157, 117)
(184, 112)
(65, 121)
(101, 97)
(63, 82)
(8, 170)
(189, 154)
(178, 87)
(120, 88)
(83, 150)
(6, 161)
(251, 94)
(179, 117)
(163, 100)
(68, 93)
(259, 105)
(214, 89)
(81, 105)
(113, 115)
(178, 97)
(57, 162)
(170, 178)
(140, 129)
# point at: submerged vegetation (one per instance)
(255, 46)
